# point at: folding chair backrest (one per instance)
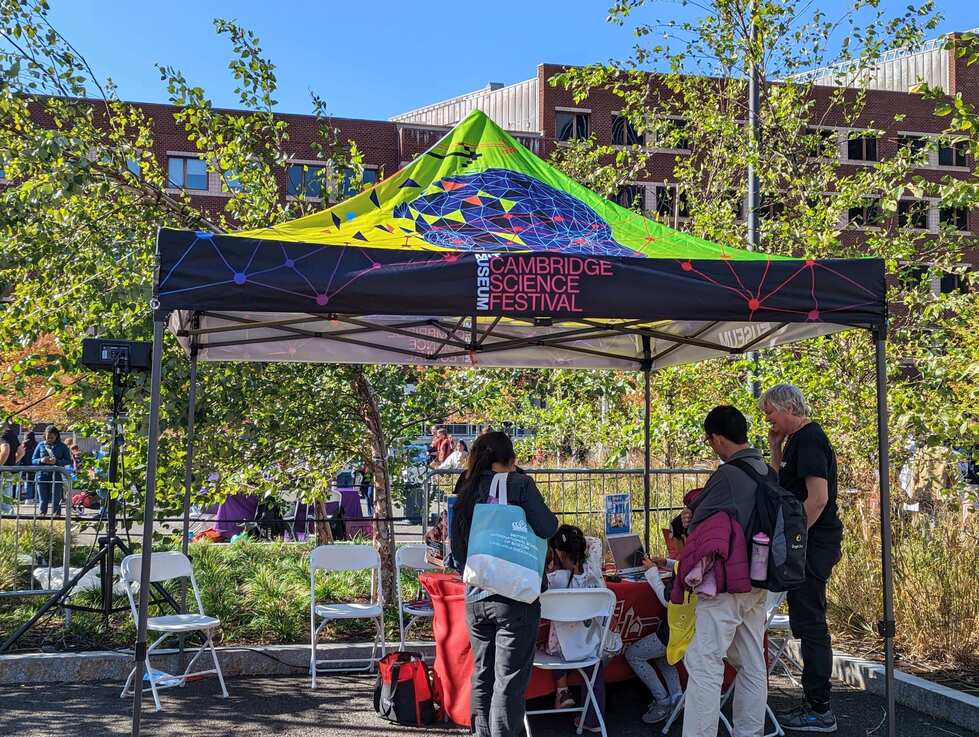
(412, 556)
(163, 567)
(576, 605)
(344, 558)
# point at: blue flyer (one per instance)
(618, 514)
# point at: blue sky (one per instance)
(368, 59)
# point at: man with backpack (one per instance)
(806, 465)
(728, 623)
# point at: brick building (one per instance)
(534, 107)
(542, 116)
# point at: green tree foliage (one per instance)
(78, 220)
(808, 204)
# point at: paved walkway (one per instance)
(341, 707)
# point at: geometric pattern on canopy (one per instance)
(506, 210)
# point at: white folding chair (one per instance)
(779, 634)
(411, 557)
(344, 557)
(166, 567)
(576, 605)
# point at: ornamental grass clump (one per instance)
(935, 603)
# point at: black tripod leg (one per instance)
(54, 600)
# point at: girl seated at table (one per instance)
(653, 647)
(574, 562)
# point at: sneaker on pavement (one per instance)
(804, 719)
(658, 712)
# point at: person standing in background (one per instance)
(52, 452)
(24, 455)
(443, 446)
(9, 442)
(805, 462)
(433, 446)
(456, 459)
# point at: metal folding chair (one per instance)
(576, 605)
(411, 557)
(344, 557)
(166, 567)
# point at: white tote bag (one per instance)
(504, 555)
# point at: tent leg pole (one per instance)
(188, 474)
(887, 626)
(646, 369)
(189, 466)
(144, 577)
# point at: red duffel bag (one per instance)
(403, 692)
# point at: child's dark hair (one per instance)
(571, 540)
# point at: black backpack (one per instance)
(780, 515)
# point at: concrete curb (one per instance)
(235, 662)
(923, 696)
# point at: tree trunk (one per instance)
(383, 510)
(324, 535)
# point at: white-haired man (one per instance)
(806, 465)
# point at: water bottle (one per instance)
(759, 557)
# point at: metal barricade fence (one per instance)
(35, 549)
(576, 495)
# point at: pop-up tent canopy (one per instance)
(480, 253)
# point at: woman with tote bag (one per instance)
(500, 525)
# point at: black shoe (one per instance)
(804, 719)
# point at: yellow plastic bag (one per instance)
(683, 622)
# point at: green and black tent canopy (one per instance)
(479, 251)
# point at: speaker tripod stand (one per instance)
(102, 560)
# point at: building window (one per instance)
(821, 143)
(770, 208)
(912, 214)
(368, 180)
(131, 165)
(866, 215)
(950, 283)
(305, 180)
(954, 217)
(918, 146)
(952, 154)
(862, 148)
(230, 182)
(624, 133)
(628, 195)
(672, 134)
(570, 125)
(187, 172)
(667, 205)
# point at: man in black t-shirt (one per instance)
(806, 465)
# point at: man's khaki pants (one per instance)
(731, 625)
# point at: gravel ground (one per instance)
(341, 707)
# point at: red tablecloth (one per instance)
(637, 614)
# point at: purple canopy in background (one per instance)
(353, 515)
(232, 511)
